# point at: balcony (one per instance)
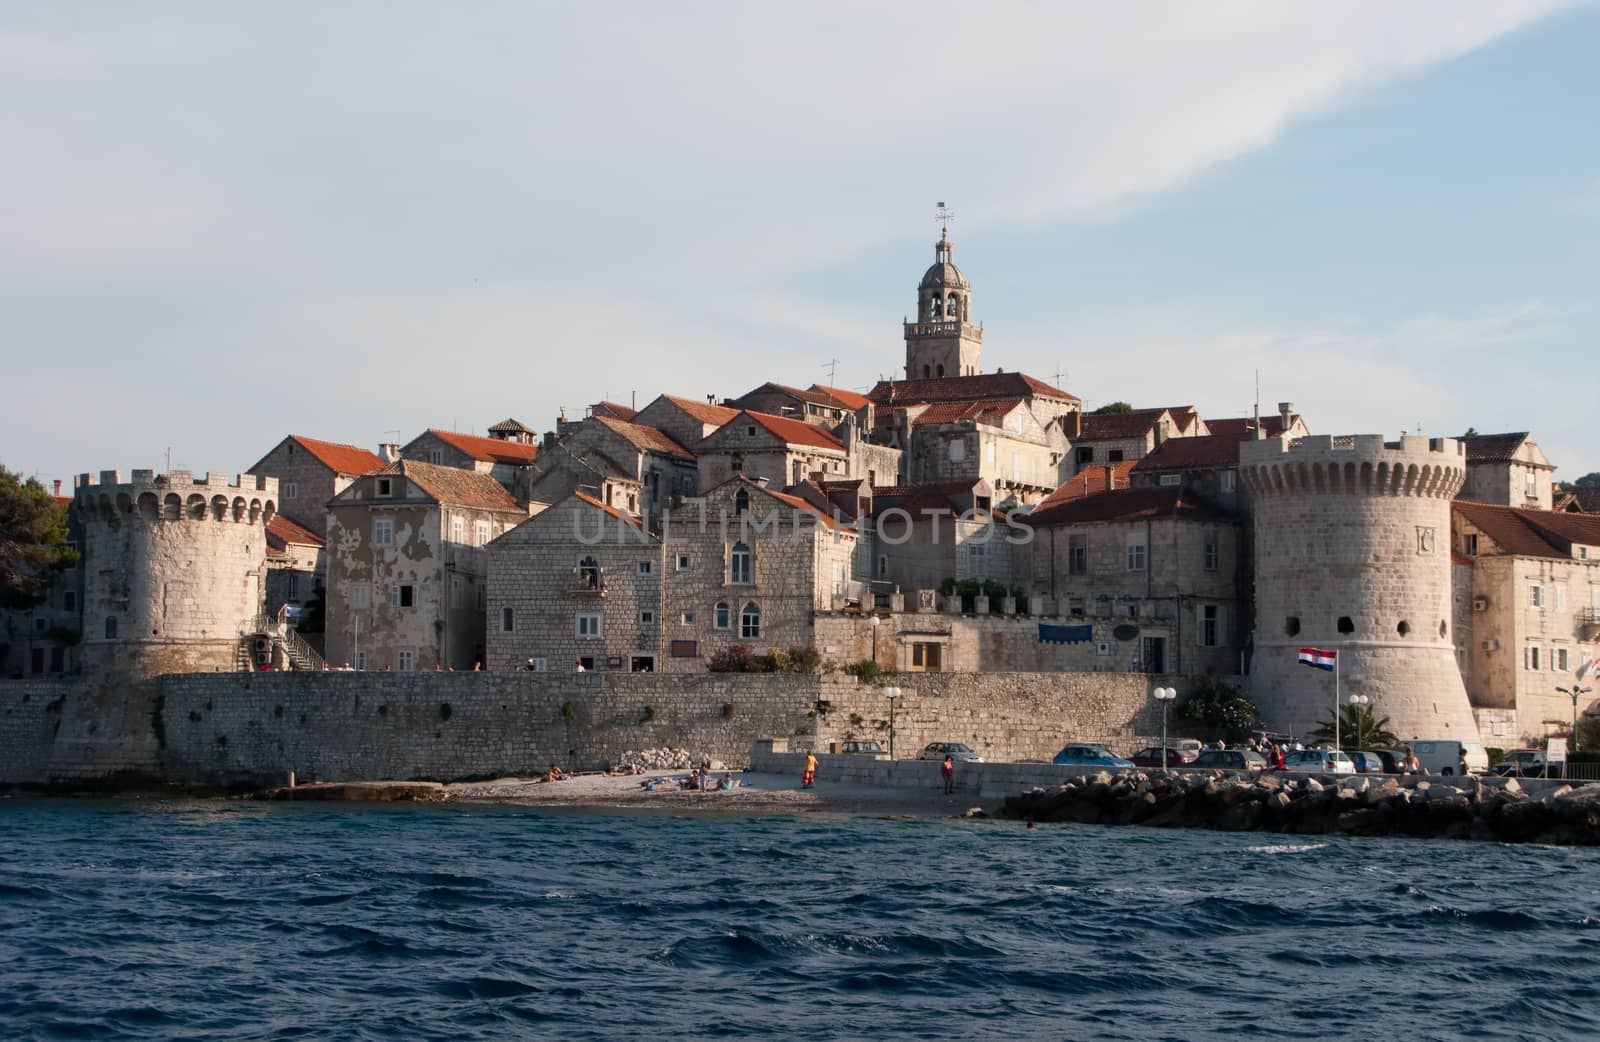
(587, 581)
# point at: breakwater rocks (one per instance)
(1304, 805)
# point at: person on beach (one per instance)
(1411, 764)
(948, 771)
(727, 783)
(1463, 769)
(810, 774)
(555, 774)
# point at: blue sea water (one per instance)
(214, 919)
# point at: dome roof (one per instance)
(943, 275)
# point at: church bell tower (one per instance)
(943, 341)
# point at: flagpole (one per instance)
(1336, 743)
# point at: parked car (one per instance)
(1151, 757)
(1189, 747)
(1086, 755)
(1229, 760)
(955, 750)
(1526, 763)
(861, 747)
(1444, 755)
(1393, 761)
(1319, 761)
(1368, 762)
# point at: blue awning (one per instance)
(1065, 634)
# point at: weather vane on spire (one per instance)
(944, 215)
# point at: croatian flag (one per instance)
(1318, 658)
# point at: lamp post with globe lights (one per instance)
(875, 622)
(1359, 703)
(1164, 695)
(892, 694)
(1575, 692)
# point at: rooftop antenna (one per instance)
(944, 215)
(1257, 433)
(1060, 375)
(832, 366)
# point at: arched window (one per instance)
(723, 617)
(741, 502)
(589, 574)
(926, 372)
(941, 369)
(739, 562)
(111, 628)
(750, 621)
(952, 306)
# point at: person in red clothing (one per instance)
(948, 771)
(810, 774)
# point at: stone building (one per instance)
(943, 341)
(777, 449)
(923, 535)
(406, 566)
(687, 421)
(1110, 438)
(297, 567)
(1509, 469)
(1000, 442)
(1151, 559)
(622, 464)
(310, 472)
(174, 569)
(1534, 586)
(1353, 556)
(42, 639)
(815, 404)
(509, 460)
(1286, 424)
(577, 585)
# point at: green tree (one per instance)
(33, 540)
(1113, 408)
(1357, 724)
(1589, 480)
(1221, 708)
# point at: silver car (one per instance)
(955, 750)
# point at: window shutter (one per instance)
(1200, 626)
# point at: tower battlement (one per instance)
(1360, 464)
(109, 482)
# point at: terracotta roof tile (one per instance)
(1494, 448)
(791, 431)
(646, 439)
(990, 413)
(848, 399)
(705, 412)
(455, 486)
(614, 409)
(489, 450)
(793, 501)
(1530, 533)
(1093, 479)
(511, 426)
(1243, 428)
(1129, 504)
(963, 388)
(280, 531)
(1118, 425)
(613, 511)
(343, 459)
(1210, 452)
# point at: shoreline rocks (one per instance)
(1317, 805)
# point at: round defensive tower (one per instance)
(1353, 555)
(174, 569)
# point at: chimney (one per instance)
(388, 451)
(763, 482)
(1077, 423)
(57, 484)
(1286, 410)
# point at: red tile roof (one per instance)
(1128, 504)
(614, 409)
(1531, 533)
(848, 399)
(1243, 428)
(511, 426)
(963, 388)
(947, 488)
(342, 459)
(1116, 426)
(1212, 452)
(990, 413)
(455, 486)
(489, 450)
(1093, 479)
(1493, 448)
(705, 412)
(793, 501)
(613, 511)
(792, 432)
(280, 531)
(645, 439)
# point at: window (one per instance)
(1560, 665)
(1171, 480)
(1535, 595)
(683, 562)
(750, 431)
(458, 529)
(1227, 479)
(883, 566)
(382, 531)
(958, 450)
(360, 596)
(588, 574)
(644, 568)
(586, 664)
(436, 456)
(508, 620)
(1560, 590)
(988, 452)
(480, 533)
(1136, 552)
(647, 618)
(724, 616)
(1077, 555)
(538, 664)
(407, 660)
(405, 595)
(1469, 544)
(69, 601)
(458, 591)
(385, 486)
(1291, 626)
(291, 490)
(483, 596)
(1084, 455)
(1209, 553)
(750, 621)
(1530, 485)
(1530, 656)
(686, 619)
(1114, 456)
(1346, 624)
(587, 626)
(739, 562)
(1209, 632)
(293, 591)
(361, 660)
(741, 501)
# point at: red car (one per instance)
(1151, 757)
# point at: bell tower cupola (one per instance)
(943, 341)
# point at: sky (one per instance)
(227, 223)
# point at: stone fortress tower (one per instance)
(943, 341)
(1353, 554)
(174, 569)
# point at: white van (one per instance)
(1443, 755)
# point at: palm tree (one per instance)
(1357, 725)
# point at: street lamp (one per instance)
(1164, 695)
(1359, 702)
(875, 622)
(891, 693)
(1575, 692)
